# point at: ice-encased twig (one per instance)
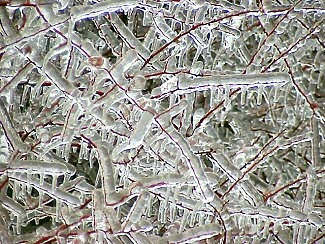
(246, 187)
(107, 170)
(131, 39)
(141, 129)
(6, 22)
(17, 38)
(51, 157)
(276, 214)
(12, 206)
(9, 86)
(50, 71)
(9, 128)
(89, 11)
(163, 180)
(196, 36)
(193, 161)
(99, 220)
(140, 238)
(238, 80)
(195, 234)
(137, 209)
(123, 65)
(138, 135)
(56, 193)
(36, 166)
(166, 32)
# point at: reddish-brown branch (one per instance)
(212, 111)
(254, 164)
(278, 190)
(269, 34)
(194, 27)
(291, 47)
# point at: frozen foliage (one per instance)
(148, 121)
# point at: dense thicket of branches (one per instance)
(162, 121)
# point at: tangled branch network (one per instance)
(154, 121)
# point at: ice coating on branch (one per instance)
(44, 187)
(136, 138)
(80, 12)
(272, 79)
(139, 82)
(38, 167)
(162, 121)
(195, 234)
(194, 163)
(12, 206)
(142, 129)
(137, 210)
(51, 72)
(123, 65)
(9, 129)
(107, 171)
(166, 31)
(131, 39)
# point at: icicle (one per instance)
(92, 158)
(226, 97)
(86, 153)
(260, 91)
(41, 178)
(184, 220)
(219, 94)
(212, 97)
(66, 151)
(162, 214)
(147, 18)
(13, 206)
(192, 219)
(24, 98)
(198, 114)
(201, 219)
(15, 194)
(40, 198)
(54, 181)
(137, 209)
(243, 96)
(276, 95)
(81, 151)
(188, 17)
(150, 206)
(18, 224)
(172, 211)
(57, 210)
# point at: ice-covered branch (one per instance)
(162, 121)
(250, 80)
